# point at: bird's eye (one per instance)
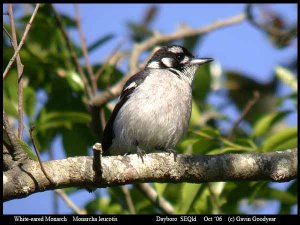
(180, 56)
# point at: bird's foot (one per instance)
(127, 153)
(140, 153)
(172, 151)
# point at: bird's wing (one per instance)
(128, 88)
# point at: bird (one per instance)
(155, 104)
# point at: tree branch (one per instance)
(245, 111)
(11, 61)
(11, 142)
(128, 199)
(20, 68)
(181, 33)
(27, 179)
(8, 161)
(157, 39)
(70, 203)
(72, 52)
(152, 195)
(84, 49)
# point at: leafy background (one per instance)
(247, 58)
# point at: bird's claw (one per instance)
(141, 153)
(172, 151)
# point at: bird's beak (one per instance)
(199, 62)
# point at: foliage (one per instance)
(56, 103)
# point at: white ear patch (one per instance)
(175, 49)
(131, 85)
(167, 62)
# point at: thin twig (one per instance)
(264, 27)
(84, 47)
(69, 202)
(72, 52)
(181, 33)
(39, 157)
(246, 110)
(113, 53)
(152, 195)
(20, 68)
(11, 61)
(128, 198)
(214, 198)
(157, 39)
(8, 34)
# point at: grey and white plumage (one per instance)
(154, 107)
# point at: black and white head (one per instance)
(177, 60)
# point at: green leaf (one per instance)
(206, 140)
(50, 120)
(172, 194)
(272, 193)
(29, 101)
(99, 42)
(204, 146)
(264, 124)
(241, 88)
(9, 106)
(53, 124)
(160, 188)
(10, 93)
(103, 205)
(117, 196)
(287, 77)
(287, 138)
(186, 145)
(293, 190)
(292, 96)
(195, 116)
(68, 21)
(227, 150)
(27, 149)
(201, 83)
(77, 140)
(75, 81)
(74, 117)
(191, 42)
(256, 188)
(94, 45)
(291, 143)
(188, 196)
(202, 203)
(141, 203)
(109, 76)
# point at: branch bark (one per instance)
(27, 179)
(11, 144)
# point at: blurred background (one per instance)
(254, 55)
